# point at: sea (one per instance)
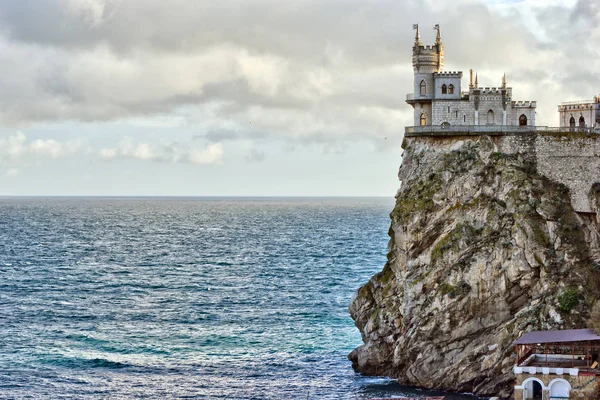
(187, 298)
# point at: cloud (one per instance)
(307, 71)
(11, 172)
(16, 147)
(254, 156)
(16, 150)
(165, 153)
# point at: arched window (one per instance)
(581, 122)
(572, 122)
(451, 89)
(444, 89)
(423, 88)
(423, 119)
(490, 117)
(523, 120)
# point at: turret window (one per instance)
(423, 88)
(572, 122)
(451, 89)
(581, 122)
(423, 119)
(444, 89)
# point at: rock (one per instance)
(483, 247)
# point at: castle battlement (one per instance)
(449, 73)
(492, 90)
(526, 104)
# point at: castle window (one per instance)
(490, 117)
(423, 88)
(456, 114)
(572, 122)
(581, 122)
(451, 89)
(423, 119)
(448, 108)
(444, 89)
(464, 118)
(523, 120)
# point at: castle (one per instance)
(439, 102)
(568, 154)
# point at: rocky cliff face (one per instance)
(483, 248)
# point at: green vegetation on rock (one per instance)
(568, 299)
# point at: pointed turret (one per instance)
(504, 81)
(438, 38)
(417, 36)
(476, 81)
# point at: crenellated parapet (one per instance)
(523, 104)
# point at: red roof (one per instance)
(569, 335)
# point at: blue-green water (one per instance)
(186, 298)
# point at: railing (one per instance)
(572, 103)
(545, 370)
(476, 129)
(411, 96)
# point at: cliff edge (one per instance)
(483, 247)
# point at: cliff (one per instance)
(483, 247)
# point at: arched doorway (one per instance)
(533, 389)
(445, 125)
(559, 388)
(490, 117)
(537, 390)
(581, 122)
(523, 120)
(423, 120)
(572, 122)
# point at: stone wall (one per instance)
(572, 159)
(582, 386)
(461, 112)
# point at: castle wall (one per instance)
(448, 80)
(515, 112)
(590, 112)
(494, 103)
(422, 108)
(465, 110)
(572, 159)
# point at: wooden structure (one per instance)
(557, 364)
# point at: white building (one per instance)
(438, 98)
(580, 114)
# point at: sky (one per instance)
(255, 97)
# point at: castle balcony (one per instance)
(412, 99)
(497, 130)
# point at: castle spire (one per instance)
(471, 78)
(417, 36)
(476, 81)
(504, 81)
(438, 39)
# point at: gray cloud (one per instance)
(310, 70)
